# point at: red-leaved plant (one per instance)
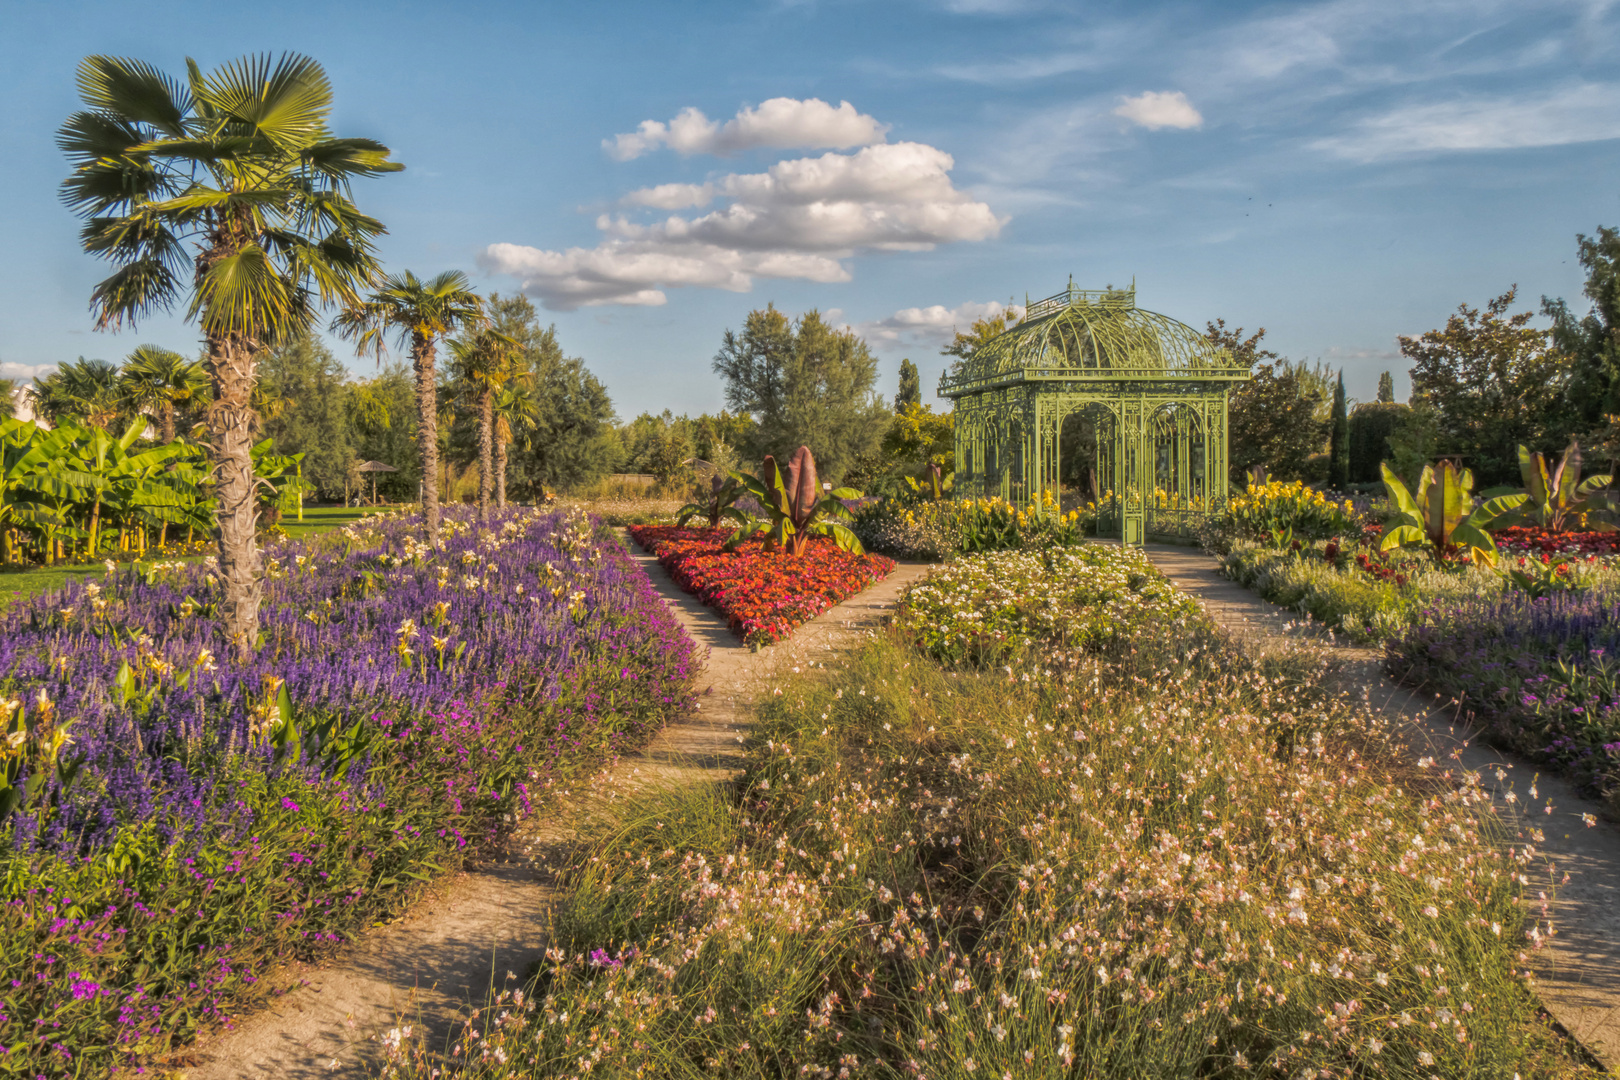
(795, 506)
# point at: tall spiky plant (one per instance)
(420, 313)
(239, 163)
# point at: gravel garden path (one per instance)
(1579, 978)
(480, 925)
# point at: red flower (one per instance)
(763, 595)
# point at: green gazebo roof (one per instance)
(1090, 336)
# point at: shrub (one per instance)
(228, 816)
(920, 529)
(762, 594)
(985, 610)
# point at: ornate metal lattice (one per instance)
(1151, 391)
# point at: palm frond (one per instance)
(133, 236)
(135, 90)
(286, 101)
(100, 186)
(244, 293)
(338, 160)
(92, 136)
(132, 291)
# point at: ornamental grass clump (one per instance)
(1163, 859)
(405, 704)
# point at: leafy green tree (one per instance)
(1339, 439)
(241, 162)
(1494, 382)
(162, 379)
(920, 436)
(910, 387)
(805, 384)
(420, 313)
(1593, 340)
(311, 414)
(383, 426)
(8, 399)
(1276, 419)
(1386, 389)
(963, 344)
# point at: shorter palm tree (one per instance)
(162, 379)
(517, 414)
(484, 363)
(83, 391)
(418, 312)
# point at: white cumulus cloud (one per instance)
(1156, 109)
(1586, 112)
(799, 219)
(784, 123)
(933, 326)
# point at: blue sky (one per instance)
(1339, 172)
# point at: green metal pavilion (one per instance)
(1149, 393)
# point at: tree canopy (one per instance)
(1494, 381)
(805, 384)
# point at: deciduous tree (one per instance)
(1494, 382)
(806, 384)
(1276, 419)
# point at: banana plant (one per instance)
(795, 507)
(717, 505)
(1558, 495)
(1442, 514)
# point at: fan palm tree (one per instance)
(83, 391)
(164, 380)
(241, 163)
(484, 363)
(420, 312)
(516, 410)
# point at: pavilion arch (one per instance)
(1156, 391)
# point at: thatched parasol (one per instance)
(374, 467)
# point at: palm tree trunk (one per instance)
(500, 474)
(427, 430)
(486, 456)
(168, 421)
(230, 429)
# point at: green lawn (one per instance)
(15, 584)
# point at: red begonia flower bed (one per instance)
(763, 594)
(1536, 541)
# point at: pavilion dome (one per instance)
(1096, 332)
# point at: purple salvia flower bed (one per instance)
(431, 693)
(1539, 675)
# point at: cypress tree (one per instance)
(1386, 388)
(910, 387)
(1339, 447)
